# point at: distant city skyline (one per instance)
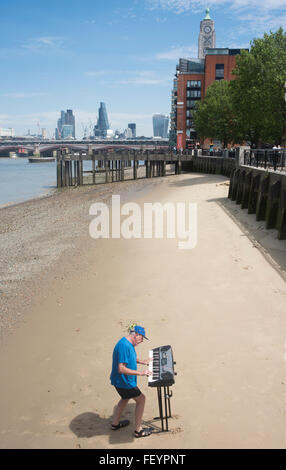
(71, 55)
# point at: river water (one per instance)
(21, 180)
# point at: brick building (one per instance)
(192, 79)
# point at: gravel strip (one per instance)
(36, 234)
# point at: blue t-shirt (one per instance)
(124, 352)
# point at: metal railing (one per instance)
(212, 153)
(266, 158)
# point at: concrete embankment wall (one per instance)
(263, 193)
(211, 165)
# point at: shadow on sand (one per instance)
(266, 241)
(200, 179)
(89, 425)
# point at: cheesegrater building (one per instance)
(192, 79)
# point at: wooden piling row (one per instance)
(112, 165)
(262, 193)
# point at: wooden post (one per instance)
(176, 167)
(93, 169)
(122, 169)
(147, 168)
(71, 173)
(59, 170)
(80, 171)
(134, 167)
(106, 168)
(77, 173)
(75, 176)
(67, 173)
(116, 170)
(147, 163)
(179, 165)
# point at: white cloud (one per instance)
(43, 42)
(257, 16)
(24, 94)
(178, 51)
(142, 81)
(262, 23)
(182, 6)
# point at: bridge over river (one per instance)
(48, 148)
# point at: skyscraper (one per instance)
(67, 131)
(132, 126)
(70, 120)
(160, 125)
(100, 130)
(67, 119)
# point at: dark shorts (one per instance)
(126, 393)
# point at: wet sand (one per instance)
(221, 306)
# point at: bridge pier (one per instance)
(36, 151)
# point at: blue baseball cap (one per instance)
(140, 331)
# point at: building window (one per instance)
(193, 93)
(219, 71)
(191, 104)
(194, 84)
(189, 114)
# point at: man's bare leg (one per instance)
(118, 411)
(139, 410)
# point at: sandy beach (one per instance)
(66, 299)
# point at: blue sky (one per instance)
(69, 54)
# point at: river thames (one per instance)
(21, 180)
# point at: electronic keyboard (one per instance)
(162, 367)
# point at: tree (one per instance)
(214, 117)
(258, 93)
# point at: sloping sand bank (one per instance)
(222, 307)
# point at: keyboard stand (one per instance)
(167, 397)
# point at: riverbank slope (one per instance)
(221, 306)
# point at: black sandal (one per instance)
(120, 425)
(143, 433)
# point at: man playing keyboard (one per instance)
(124, 378)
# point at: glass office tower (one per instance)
(67, 119)
(100, 130)
(160, 125)
(132, 126)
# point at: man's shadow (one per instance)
(88, 425)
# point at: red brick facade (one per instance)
(225, 64)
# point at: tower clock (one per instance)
(207, 36)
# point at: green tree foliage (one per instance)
(258, 93)
(214, 117)
(252, 107)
